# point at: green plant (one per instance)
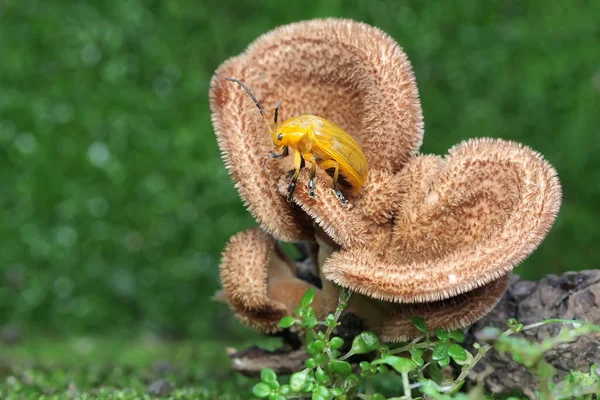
(331, 373)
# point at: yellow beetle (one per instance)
(319, 142)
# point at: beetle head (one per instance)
(279, 140)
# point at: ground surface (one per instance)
(87, 368)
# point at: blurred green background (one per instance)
(114, 202)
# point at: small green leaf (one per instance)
(420, 324)
(440, 351)
(435, 373)
(457, 352)
(595, 370)
(377, 396)
(330, 321)
(321, 375)
(457, 335)
(441, 334)
(340, 367)
(285, 390)
(323, 391)
(309, 319)
(311, 336)
(417, 356)
(336, 392)
(307, 298)
(319, 345)
(310, 363)
(384, 350)
(308, 387)
(467, 360)
(400, 364)
(319, 358)
(298, 380)
(287, 321)
(444, 362)
(268, 375)
(336, 342)
(382, 369)
(261, 390)
(365, 342)
(351, 380)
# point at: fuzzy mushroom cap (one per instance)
(460, 223)
(348, 72)
(259, 282)
(392, 321)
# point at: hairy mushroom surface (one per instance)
(460, 222)
(348, 72)
(393, 322)
(259, 284)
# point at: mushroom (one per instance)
(259, 281)
(429, 236)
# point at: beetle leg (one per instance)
(313, 171)
(284, 153)
(297, 166)
(334, 164)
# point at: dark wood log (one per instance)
(574, 295)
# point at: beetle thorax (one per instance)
(293, 130)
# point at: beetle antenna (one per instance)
(262, 112)
(276, 112)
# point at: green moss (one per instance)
(103, 367)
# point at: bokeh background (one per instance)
(114, 201)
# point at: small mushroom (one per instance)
(259, 282)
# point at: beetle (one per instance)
(319, 142)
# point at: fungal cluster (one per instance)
(428, 236)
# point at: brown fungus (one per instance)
(460, 223)
(259, 284)
(428, 236)
(348, 72)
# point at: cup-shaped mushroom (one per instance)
(394, 323)
(460, 223)
(347, 72)
(259, 282)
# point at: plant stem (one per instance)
(414, 345)
(368, 387)
(343, 298)
(406, 385)
(487, 347)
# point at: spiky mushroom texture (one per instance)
(427, 235)
(347, 72)
(259, 282)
